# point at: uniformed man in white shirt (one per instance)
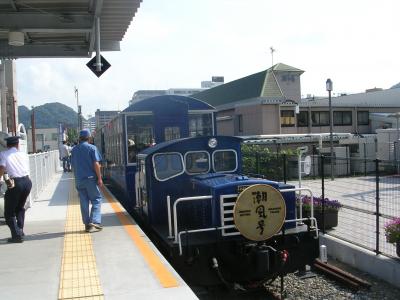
(16, 164)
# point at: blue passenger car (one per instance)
(144, 124)
(207, 215)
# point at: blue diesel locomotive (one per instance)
(215, 224)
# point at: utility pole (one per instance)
(14, 114)
(79, 110)
(33, 130)
(3, 96)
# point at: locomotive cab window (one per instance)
(197, 162)
(167, 165)
(224, 161)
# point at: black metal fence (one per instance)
(367, 189)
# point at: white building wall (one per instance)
(387, 139)
(251, 120)
(289, 83)
(270, 119)
(46, 139)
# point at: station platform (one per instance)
(59, 260)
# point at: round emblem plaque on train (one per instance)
(259, 212)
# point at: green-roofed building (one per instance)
(269, 103)
(261, 103)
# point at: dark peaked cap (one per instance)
(12, 140)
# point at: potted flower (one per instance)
(392, 232)
(330, 214)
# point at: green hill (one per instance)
(49, 115)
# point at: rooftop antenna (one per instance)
(272, 54)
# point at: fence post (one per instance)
(36, 176)
(323, 192)
(257, 163)
(284, 167)
(365, 161)
(377, 251)
(347, 160)
(313, 160)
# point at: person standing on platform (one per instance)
(16, 164)
(85, 160)
(65, 156)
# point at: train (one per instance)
(211, 218)
(143, 124)
(215, 224)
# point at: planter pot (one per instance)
(330, 218)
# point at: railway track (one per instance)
(340, 275)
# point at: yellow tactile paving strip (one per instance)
(166, 278)
(79, 277)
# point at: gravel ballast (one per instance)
(323, 287)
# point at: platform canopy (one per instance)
(62, 28)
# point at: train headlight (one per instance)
(212, 143)
(259, 212)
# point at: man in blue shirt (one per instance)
(85, 160)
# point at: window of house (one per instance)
(39, 136)
(240, 123)
(342, 118)
(362, 118)
(320, 118)
(288, 77)
(287, 118)
(54, 136)
(302, 119)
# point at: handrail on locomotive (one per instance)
(177, 235)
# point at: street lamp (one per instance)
(396, 143)
(329, 89)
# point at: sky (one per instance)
(179, 43)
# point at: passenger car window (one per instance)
(172, 133)
(197, 162)
(200, 124)
(139, 134)
(167, 165)
(224, 161)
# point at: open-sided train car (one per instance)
(216, 224)
(144, 124)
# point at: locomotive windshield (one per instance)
(197, 162)
(167, 165)
(225, 161)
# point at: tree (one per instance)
(72, 135)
